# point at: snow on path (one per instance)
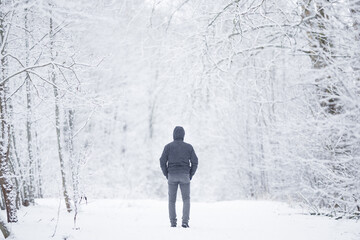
(147, 219)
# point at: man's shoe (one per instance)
(185, 225)
(173, 225)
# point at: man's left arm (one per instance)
(194, 162)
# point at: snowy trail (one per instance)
(147, 219)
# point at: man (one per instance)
(178, 163)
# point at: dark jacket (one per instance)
(178, 156)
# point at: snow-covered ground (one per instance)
(147, 219)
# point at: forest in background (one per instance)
(268, 93)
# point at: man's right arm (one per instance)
(164, 160)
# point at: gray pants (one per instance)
(174, 180)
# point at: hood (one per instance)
(179, 133)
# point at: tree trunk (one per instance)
(73, 162)
(57, 116)
(14, 158)
(251, 170)
(38, 168)
(28, 118)
(7, 185)
(321, 48)
(4, 229)
(22, 192)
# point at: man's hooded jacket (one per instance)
(178, 156)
